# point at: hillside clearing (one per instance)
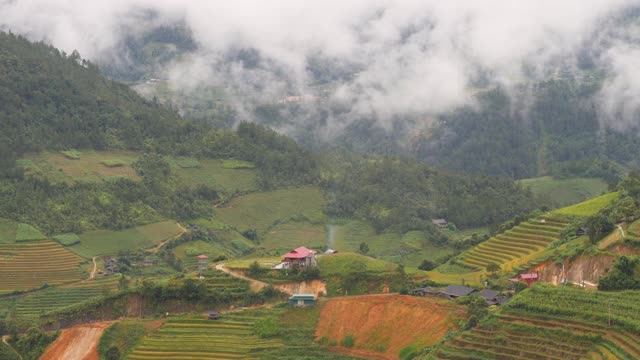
(78, 343)
(227, 176)
(564, 192)
(373, 321)
(106, 242)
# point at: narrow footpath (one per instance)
(95, 267)
(256, 285)
(5, 340)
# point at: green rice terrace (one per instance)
(32, 264)
(516, 246)
(195, 337)
(32, 305)
(547, 322)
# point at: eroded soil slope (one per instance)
(382, 325)
(77, 343)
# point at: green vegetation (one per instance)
(342, 263)
(410, 249)
(261, 211)
(125, 335)
(590, 207)
(26, 232)
(7, 353)
(33, 342)
(214, 173)
(105, 242)
(238, 164)
(564, 192)
(71, 154)
(517, 246)
(231, 337)
(67, 239)
(284, 237)
(7, 231)
(29, 306)
(30, 265)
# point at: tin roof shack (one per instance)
(301, 257)
(529, 278)
(299, 300)
(442, 223)
(213, 315)
(456, 291)
(493, 297)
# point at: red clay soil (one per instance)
(77, 343)
(390, 322)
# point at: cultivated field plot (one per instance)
(11, 232)
(106, 242)
(282, 238)
(224, 283)
(32, 305)
(516, 245)
(341, 263)
(216, 173)
(590, 207)
(87, 165)
(577, 304)
(410, 249)
(32, 264)
(564, 192)
(263, 210)
(231, 337)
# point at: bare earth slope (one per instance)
(77, 343)
(386, 322)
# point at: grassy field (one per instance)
(515, 246)
(26, 232)
(29, 306)
(564, 192)
(105, 242)
(12, 232)
(263, 210)
(284, 237)
(242, 264)
(29, 265)
(89, 166)
(340, 263)
(126, 334)
(228, 176)
(409, 249)
(195, 337)
(466, 278)
(590, 207)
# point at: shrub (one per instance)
(266, 328)
(71, 154)
(323, 340)
(113, 353)
(427, 265)
(113, 163)
(349, 341)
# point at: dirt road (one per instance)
(77, 343)
(256, 285)
(95, 267)
(5, 340)
(159, 246)
(305, 287)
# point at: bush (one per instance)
(266, 328)
(113, 163)
(255, 269)
(427, 265)
(71, 154)
(349, 341)
(113, 353)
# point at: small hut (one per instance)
(302, 300)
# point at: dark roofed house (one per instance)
(490, 295)
(213, 315)
(455, 291)
(440, 223)
(427, 291)
(582, 231)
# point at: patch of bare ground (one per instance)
(77, 343)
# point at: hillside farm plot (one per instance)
(341, 263)
(283, 237)
(519, 244)
(263, 210)
(31, 305)
(387, 323)
(195, 337)
(88, 166)
(564, 192)
(12, 231)
(32, 264)
(227, 176)
(588, 306)
(409, 249)
(589, 207)
(106, 242)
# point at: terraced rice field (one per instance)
(522, 241)
(231, 337)
(31, 305)
(29, 265)
(225, 283)
(524, 337)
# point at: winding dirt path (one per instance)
(77, 343)
(95, 267)
(5, 340)
(159, 246)
(256, 285)
(621, 230)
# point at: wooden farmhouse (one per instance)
(301, 257)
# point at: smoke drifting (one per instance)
(414, 58)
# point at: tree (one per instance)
(477, 307)
(493, 268)
(255, 269)
(364, 248)
(427, 265)
(598, 226)
(123, 283)
(113, 353)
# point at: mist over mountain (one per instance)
(496, 87)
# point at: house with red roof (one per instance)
(301, 257)
(529, 278)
